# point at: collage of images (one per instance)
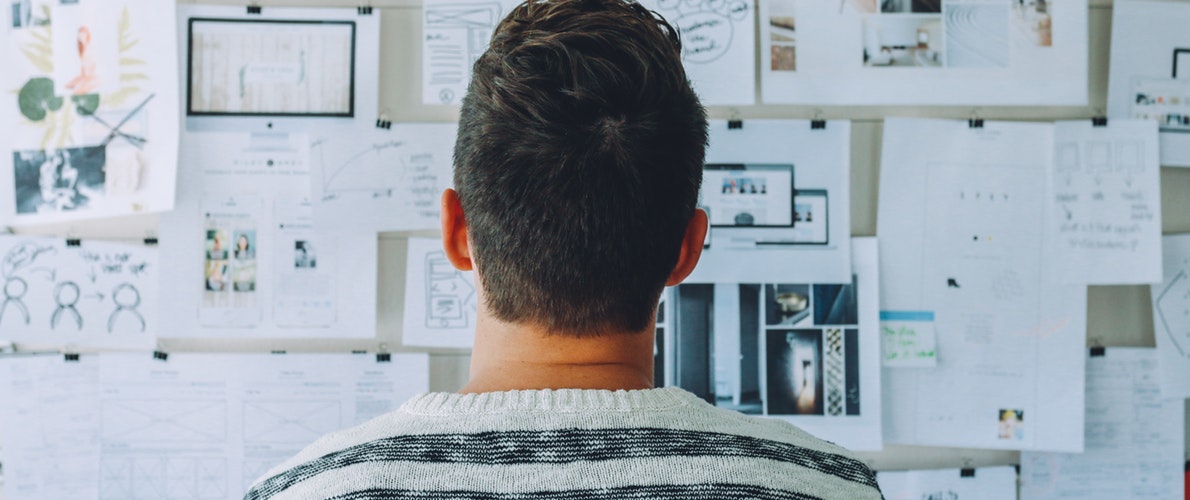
(766, 349)
(927, 33)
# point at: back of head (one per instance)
(578, 164)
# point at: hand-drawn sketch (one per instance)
(86, 87)
(455, 35)
(717, 40)
(59, 291)
(67, 294)
(381, 180)
(440, 301)
(297, 422)
(175, 477)
(1171, 317)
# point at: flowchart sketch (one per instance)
(717, 46)
(455, 34)
(85, 293)
(381, 180)
(1171, 317)
(1105, 209)
(440, 301)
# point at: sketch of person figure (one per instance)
(14, 293)
(87, 79)
(127, 299)
(67, 295)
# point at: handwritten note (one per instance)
(908, 339)
(1105, 209)
(718, 37)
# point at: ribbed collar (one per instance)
(549, 400)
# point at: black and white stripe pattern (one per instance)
(654, 492)
(571, 445)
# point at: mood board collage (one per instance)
(257, 137)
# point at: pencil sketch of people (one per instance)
(14, 293)
(67, 295)
(127, 299)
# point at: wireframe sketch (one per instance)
(455, 36)
(67, 295)
(289, 421)
(1173, 312)
(127, 299)
(165, 421)
(144, 477)
(977, 35)
(378, 170)
(447, 294)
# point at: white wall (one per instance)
(1117, 315)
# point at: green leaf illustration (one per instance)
(36, 97)
(130, 77)
(86, 105)
(130, 61)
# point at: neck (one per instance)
(511, 357)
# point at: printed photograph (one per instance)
(303, 255)
(86, 49)
(786, 305)
(243, 275)
(862, 6)
(977, 35)
(783, 35)
(245, 244)
(794, 372)
(1032, 23)
(919, 6)
(216, 276)
(58, 180)
(836, 304)
(902, 41)
(1012, 424)
(29, 13)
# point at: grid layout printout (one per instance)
(900, 52)
(277, 67)
(1131, 431)
(128, 426)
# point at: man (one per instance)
(578, 165)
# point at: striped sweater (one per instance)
(568, 444)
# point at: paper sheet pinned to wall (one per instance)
(961, 232)
(717, 45)
(956, 52)
(1105, 208)
(370, 180)
(803, 352)
(1134, 441)
(778, 196)
(984, 483)
(208, 425)
(93, 294)
(440, 301)
(90, 110)
(1149, 77)
(244, 255)
(908, 339)
(1171, 318)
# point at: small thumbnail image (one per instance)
(902, 41)
(783, 35)
(794, 372)
(786, 304)
(1012, 424)
(303, 255)
(909, 6)
(1032, 23)
(744, 185)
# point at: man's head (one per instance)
(578, 164)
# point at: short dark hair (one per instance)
(578, 164)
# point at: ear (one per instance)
(696, 232)
(454, 231)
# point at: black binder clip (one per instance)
(73, 242)
(364, 10)
(967, 472)
(151, 241)
(277, 351)
(254, 9)
(71, 357)
(1099, 121)
(384, 357)
(161, 355)
(1098, 351)
(818, 122)
(735, 124)
(975, 123)
(382, 122)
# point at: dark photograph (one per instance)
(58, 180)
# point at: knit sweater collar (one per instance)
(549, 400)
